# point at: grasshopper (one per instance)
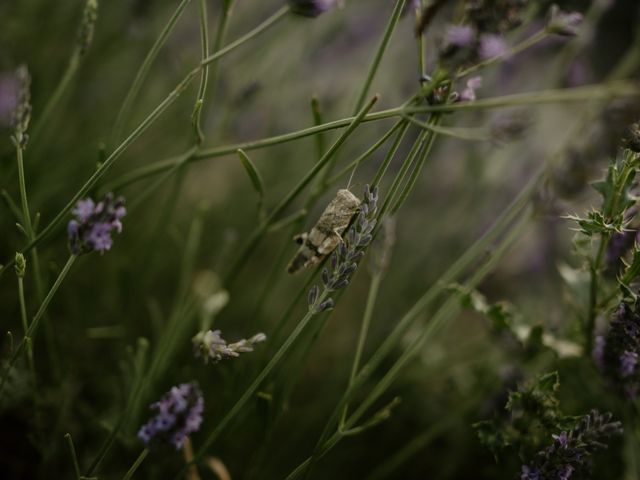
(326, 234)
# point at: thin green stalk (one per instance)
(399, 178)
(376, 279)
(204, 76)
(390, 154)
(352, 166)
(474, 134)
(54, 100)
(143, 71)
(250, 391)
(384, 43)
(598, 92)
(35, 259)
(74, 457)
(136, 391)
(219, 40)
(272, 20)
(108, 163)
(136, 464)
(257, 235)
(417, 168)
(497, 230)
(33, 328)
(26, 215)
(541, 98)
(525, 44)
(592, 311)
(25, 326)
(446, 311)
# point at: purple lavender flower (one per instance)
(628, 363)
(311, 8)
(469, 93)
(571, 450)
(9, 93)
(179, 413)
(563, 23)
(619, 348)
(460, 36)
(491, 46)
(91, 229)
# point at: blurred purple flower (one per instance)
(491, 46)
(469, 93)
(179, 413)
(563, 23)
(616, 354)
(9, 92)
(460, 35)
(91, 229)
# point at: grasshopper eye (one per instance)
(299, 239)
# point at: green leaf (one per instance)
(252, 171)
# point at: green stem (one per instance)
(143, 71)
(525, 44)
(593, 295)
(58, 93)
(404, 126)
(384, 43)
(204, 76)
(272, 20)
(417, 168)
(74, 457)
(136, 464)
(578, 94)
(445, 312)
(250, 391)
(376, 279)
(108, 163)
(25, 326)
(26, 215)
(257, 235)
(33, 328)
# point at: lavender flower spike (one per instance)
(91, 229)
(179, 413)
(563, 23)
(211, 346)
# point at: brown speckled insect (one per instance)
(326, 234)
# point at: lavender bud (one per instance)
(351, 236)
(22, 114)
(340, 284)
(20, 265)
(365, 240)
(334, 260)
(87, 26)
(313, 295)
(355, 256)
(328, 304)
(342, 251)
(325, 276)
(563, 23)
